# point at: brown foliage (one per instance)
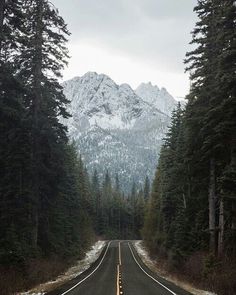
(207, 272)
(36, 271)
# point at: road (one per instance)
(119, 271)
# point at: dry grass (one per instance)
(199, 272)
(36, 271)
(204, 272)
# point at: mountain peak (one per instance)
(106, 119)
(160, 98)
(148, 85)
(90, 76)
(98, 98)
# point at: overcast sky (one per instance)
(132, 41)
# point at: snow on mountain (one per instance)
(115, 128)
(160, 98)
(97, 100)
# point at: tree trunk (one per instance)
(2, 8)
(184, 201)
(233, 167)
(221, 229)
(233, 225)
(37, 98)
(212, 207)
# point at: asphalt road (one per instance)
(119, 271)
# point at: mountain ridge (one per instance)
(114, 128)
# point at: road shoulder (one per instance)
(146, 261)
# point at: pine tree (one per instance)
(139, 214)
(106, 202)
(209, 97)
(117, 183)
(225, 111)
(152, 230)
(146, 188)
(117, 206)
(14, 138)
(45, 198)
(43, 55)
(96, 195)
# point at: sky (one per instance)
(132, 41)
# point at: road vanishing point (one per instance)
(119, 271)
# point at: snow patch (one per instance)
(81, 266)
(142, 252)
(160, 98)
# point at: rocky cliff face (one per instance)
(160, 98)
(117, 128)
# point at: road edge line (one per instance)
(80, 282)
(148, 274)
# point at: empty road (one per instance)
(119, 271)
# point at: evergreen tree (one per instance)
(44, 198)
(96, 195)
(14, 139)
(139, 214)
(192, 205)
(42, 57)
(146, 188)
(117, 184)
(106, 202)
(152, 231)
(209, 97)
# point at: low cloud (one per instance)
(156, 32)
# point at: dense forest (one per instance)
(49, 205)
(191, 216)
(115, 215)
(51, 209)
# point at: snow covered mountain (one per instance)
(115, 128)
(160, 98)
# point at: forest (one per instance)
(52, 210)
(191, 216)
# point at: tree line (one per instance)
(41, 178)
(49, 205)
(116, 215)
(193, 201)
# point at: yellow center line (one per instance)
(119, 254)
(117, 281)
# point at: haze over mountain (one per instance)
(118, 128)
